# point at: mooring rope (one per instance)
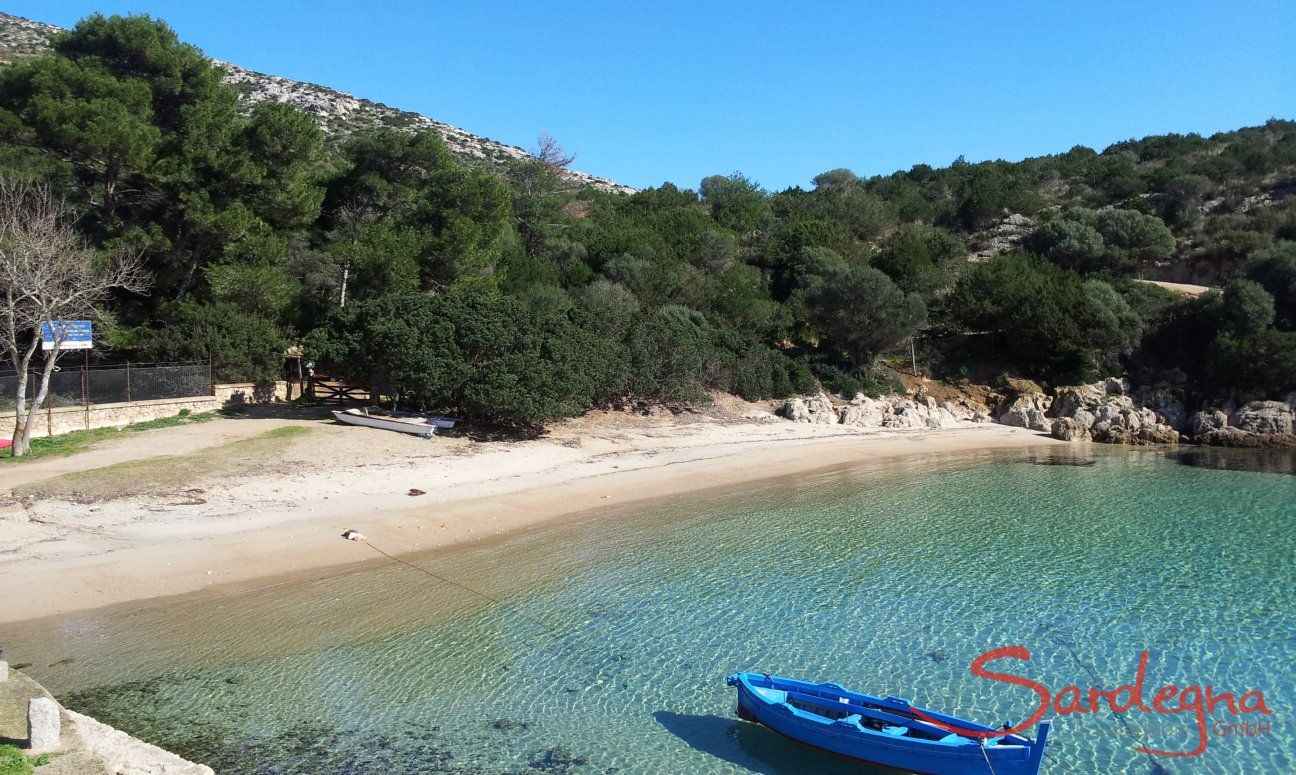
(1129, 728)
(427, 572)
(986, 756)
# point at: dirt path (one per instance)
(1183, 288)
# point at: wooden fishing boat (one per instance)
(417, 426)
(885, 731)
(440, 421)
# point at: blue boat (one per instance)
(884, 731)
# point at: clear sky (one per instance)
(646, 92)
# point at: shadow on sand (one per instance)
(755, 748)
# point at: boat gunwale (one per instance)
(1018, 748)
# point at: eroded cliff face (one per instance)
(339, 114)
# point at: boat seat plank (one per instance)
(871, 713)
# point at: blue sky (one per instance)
(647, 92)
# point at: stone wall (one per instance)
(54, 421)
(239, 393)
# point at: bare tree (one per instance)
(551, 153)
(48, 273)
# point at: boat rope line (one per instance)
(427, 572)
(986, 756)
(544, 626)
(1093, 676)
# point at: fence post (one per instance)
(128, 395)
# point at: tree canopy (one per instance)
(498, 288)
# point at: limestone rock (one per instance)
(1204, 422)
(1084, 420)
(1167, 406)
(811, 409)
(1067, 429)
(1028, 411)
(1071, 398)
(44, 727)
(1230, 437)
(1273, 418)
(908, 414)
(865, 412)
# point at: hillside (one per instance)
(496, 290)
(338, 113)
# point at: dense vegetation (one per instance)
(515, 298)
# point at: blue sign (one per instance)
(74, 334)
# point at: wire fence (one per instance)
(81, 385)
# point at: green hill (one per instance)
(515, 292)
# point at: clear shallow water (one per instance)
(609, 650)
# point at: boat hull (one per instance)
(440, 421)
(423, 430)
(846, 737)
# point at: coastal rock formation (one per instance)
(865, 411)
(1104, 411)
(1067, 429)
(1204, 422)
(1256, 424)
(886, 412)
(1272, 418)
(818, 410)
(1028, 411)
(1108, 411)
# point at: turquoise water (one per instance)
(608, 650)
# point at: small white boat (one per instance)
(416, 425)
(440, 421)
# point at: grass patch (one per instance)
(13, 761)
(171, 472)
(79, 441)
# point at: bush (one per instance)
(1275, 269)
(1259, 366)
(470, 351)
(1048, 320)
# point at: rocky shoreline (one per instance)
(885, 412)
(1108, 411)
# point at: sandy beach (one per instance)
(242, 502)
